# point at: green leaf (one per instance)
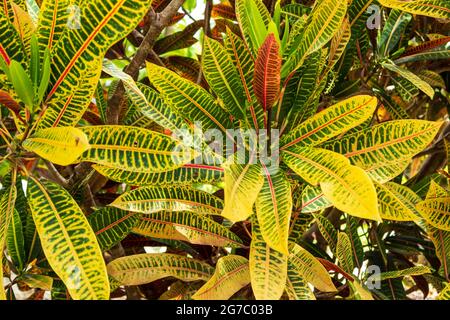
(331, 122)
(408, 75)
(15, 241)
(273, 210)
(145, 268)
(231, 275)
(186, 226)
(155, 199)
(254, 20)
(223, 77)
(242, 186)
(111, 225)
(134, 149)
(304, 264)
(68, 241)
(347, 187)
(344, 252)
(268, 268)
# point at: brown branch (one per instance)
(158, 21)
(206, 31)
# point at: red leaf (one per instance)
(266, 80)
(223, 11)
(9, 102)
(428, 45)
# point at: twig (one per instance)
(206, 32)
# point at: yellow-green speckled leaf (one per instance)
(154, 199)
(62, 145)
(188, 99)
(331, 122)
(77, 56)
(430, 8)
(344, 252)
(231, 275)
(304, 264)
(145, 268)
(445, 293)
(348, 187)
(396, 202)
(242, 185)
(385, 150)
(436, 211)
(186, 226)
(68, 241)
(7, 202)
(134, 149)
(268, 268)
(273, 210)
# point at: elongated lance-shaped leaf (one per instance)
(327, 230)
(441, 241)
(76, 65)
(144, 268)
(53, 18)
(331, 122)
(242, 59)
(413, 271)
(299, 96)
(433, 78)
(309, 268)
(68, 241)
(7, 202)
(351, 229)
(297, 288)
(314, 200)
(63, 145)
(266, 79)
(408, 75)
(273, 210)
(430, 8)
(392, 143)
(392, 31)
(396, 202)
(268, 267)
(181, 290)
(223, 77)
(153, 199)
(11, 47)
(436, 211)
(24, 25)
(344, 252)
(186, 226)
(111, 225)
(178, 40)
(323, 22)
(254, 19)
(337, 46)
(231, 275)
(184, 176)
(15, 241)
(347, 187)
(156, 110)
(134, 149)
(426, 46)
(188, 99)
(38, 281)
(242, 185)
(405, 88)
(437, 54)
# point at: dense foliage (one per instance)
(224, 150)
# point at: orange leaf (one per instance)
(266, 80)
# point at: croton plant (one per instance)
(224, 150)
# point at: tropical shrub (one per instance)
(301, 155)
